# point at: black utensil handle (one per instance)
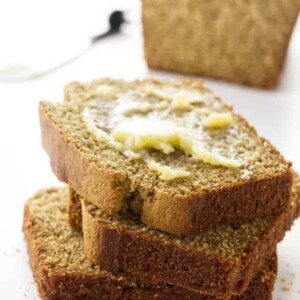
(116, 19)
(102, 35)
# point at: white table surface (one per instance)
(24, 166)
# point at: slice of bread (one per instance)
(61, 270)
(243, 42)
(211, 193)
(219, 262)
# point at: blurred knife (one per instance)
(19, 72)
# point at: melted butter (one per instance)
(218, 120)
(167, 173)
(171, 93)
(180, 102)
(165, 120)
(134, 108)
(246, 174)
(162, 105)
(131, 154)
(161, 135)
(107, 92)
(166, 137)
(101, 135)
(214, 158)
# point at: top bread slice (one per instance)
(115, 182)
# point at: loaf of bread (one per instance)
(61, 270)
(240, 41)
(173, 153)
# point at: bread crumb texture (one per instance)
(244, 42)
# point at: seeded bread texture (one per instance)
(74, 210)
(207, 198)
(218, 262)
(240, 41)
(62, 272)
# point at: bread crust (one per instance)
(179, 214)
(234, 204)
(210, 50)
(113, 246)
(94, 285)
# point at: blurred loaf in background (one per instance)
(239, 41)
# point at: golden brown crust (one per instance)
(217, 271)
(208, 50)
(67, 282)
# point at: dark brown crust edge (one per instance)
(76, 286)
(189, 214)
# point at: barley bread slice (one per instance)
(219, 262)
(243, 42)
(61, 270)
(209, 196)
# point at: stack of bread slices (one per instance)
(171, 195)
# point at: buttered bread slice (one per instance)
(172, 153)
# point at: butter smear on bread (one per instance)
(166, 120)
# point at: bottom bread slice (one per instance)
(61, 270)
(218, 262)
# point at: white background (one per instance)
(44, 29)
